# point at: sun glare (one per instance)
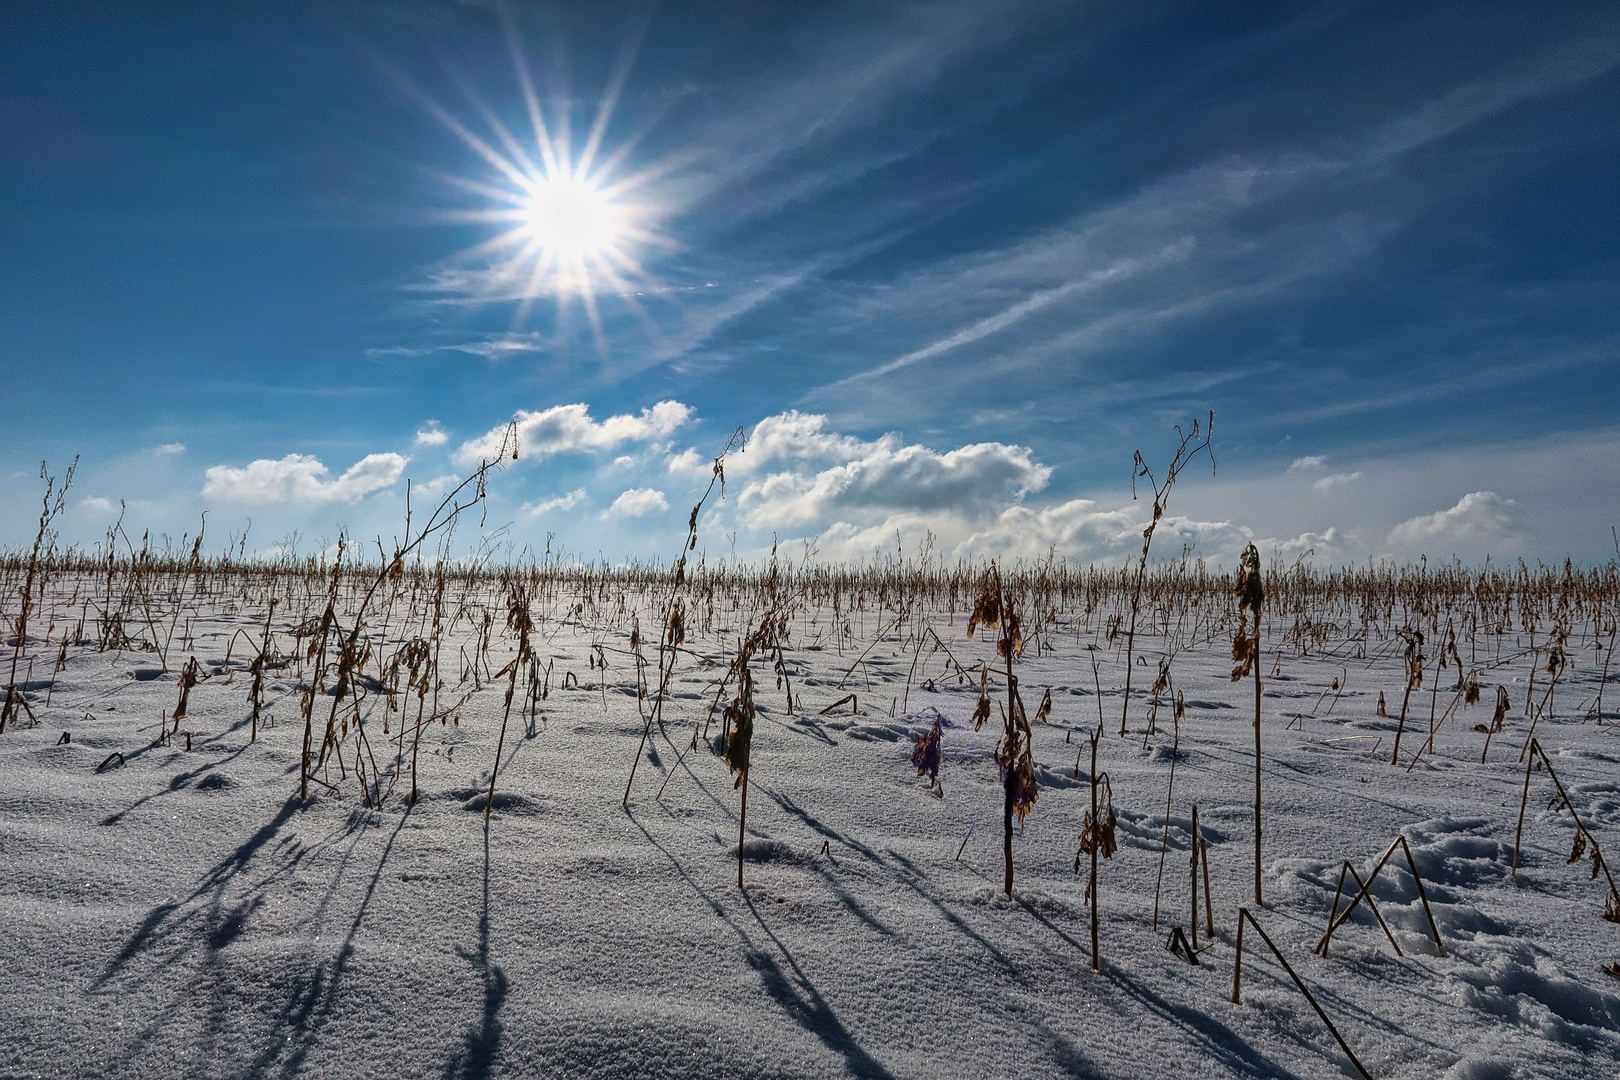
(572, 219)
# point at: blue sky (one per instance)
(948, 264)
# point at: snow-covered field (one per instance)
(186, 914)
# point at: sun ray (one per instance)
(615, 88)
(571, 225)
(479, 146)
(594, 316)
(537, 118)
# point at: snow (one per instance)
(187, 914)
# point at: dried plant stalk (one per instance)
(1237, 983)
(1251, 596)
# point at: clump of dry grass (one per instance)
(33, 585)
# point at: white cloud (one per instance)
(1479, 520)
(1328, 483)
(1083, 530)
(431, 434)
(432, 489)
(1310, 461)
(565, 428)
(95, 504)
(490, 348)
(889, 476)
(170, 449)
(561, 502)
(301, 477)
(638, 502)
(1091, 281)
(789, 436)
(798, 436)
(1211, 238)
(869, 479)
(1080, 530)
(497, 348)
(690, 464)
(807, 126)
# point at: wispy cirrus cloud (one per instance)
(490, 347)
(818, 122)
(499, 348)
(1221, 235)
(806, 127)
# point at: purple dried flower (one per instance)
(926, 754)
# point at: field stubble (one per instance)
(253, 822)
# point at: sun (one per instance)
(572, 219)
(572, 222)
(570, 227)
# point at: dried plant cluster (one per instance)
(368, 649)
(363, 638)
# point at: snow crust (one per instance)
(186, 914)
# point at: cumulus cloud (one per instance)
(826, 475)
(1084, 530)
(567, 428)
(890, 476)
(638, 502)
(688, 463)
(561, 502)
(797, 436)
(170, 449)
(791, 436)
(1078, 527)
(95, 504)
(1310, 461)
(1079, 530)
(431, 434)
(1479, 518)
(1328, 483)
(301, 478)
(432, 489)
